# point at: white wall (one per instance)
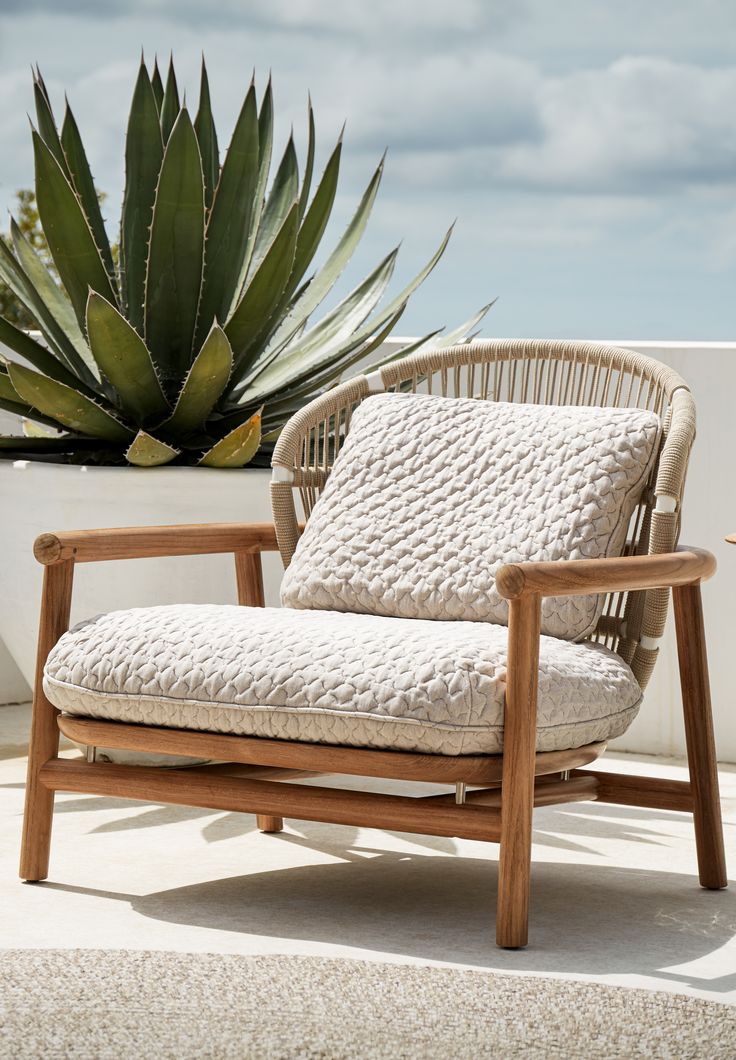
(709, 514)
(13, 687)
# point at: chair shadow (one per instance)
(586, 919)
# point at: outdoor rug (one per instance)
(123, 1004)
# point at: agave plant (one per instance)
(189, 340)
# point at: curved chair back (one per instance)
(523, 370)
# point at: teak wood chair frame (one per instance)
(257, 775)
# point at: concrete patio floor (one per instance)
(615, 894)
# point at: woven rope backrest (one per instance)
(521, 370)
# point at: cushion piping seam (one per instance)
(312, 711)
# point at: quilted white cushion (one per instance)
(327, 677)
(431, 495)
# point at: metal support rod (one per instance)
(91, 753)
(460, 790)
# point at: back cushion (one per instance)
(430, 496)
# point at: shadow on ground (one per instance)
(435, 905)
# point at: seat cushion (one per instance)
(327, 677)
(430, 496)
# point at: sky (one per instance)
(586, 148)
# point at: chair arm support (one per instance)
(136, 542)
(579, 577)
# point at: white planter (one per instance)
(39, 497)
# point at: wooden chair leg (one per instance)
(269, 824)
(249, 575)
(517, 788)
(44, 743)
(701, 750)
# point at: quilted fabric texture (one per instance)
(431, 495)
(327, 677)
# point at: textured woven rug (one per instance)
(124, 1004)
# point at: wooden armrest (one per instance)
(578, 577)
(136, 542)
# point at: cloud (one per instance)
(639, 123)
(640, 126)
(573, 33)
(434, 105)
(382, 20)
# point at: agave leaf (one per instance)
(66, 405)
(7, 390)
(238, 447)
(284, 191)
(157, 85)
(338, 333)
(170, 106)
(147, 451)
(230, 219)
(328, 275)
(23, 411)
(144, 152)
(309, 166)
(68, 235)
(289, 400)
(402, 298)
(342, 321)
(308, 384)
(425, 341)
(265, 127)
(37, 355)
(463, 332)
(265, 147)
(122, 355)
(84, 185)
(377, 340)
(292, 398)
(46, 123)
(204, 126)
(203, 385)
(352, 311)
(54, 299)
(38, 79)
(373, 343)
(316, 218)
(263, 292)
(174, 271)
(284, 371)
(437, 339)
(13, 275)
(36, 429)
